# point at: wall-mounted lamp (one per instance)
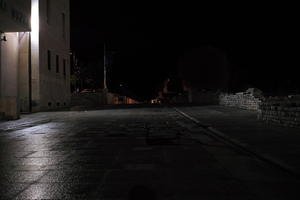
(2, 37)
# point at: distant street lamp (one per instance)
(105, 90)
(104, 69)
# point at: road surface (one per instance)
(134, 153)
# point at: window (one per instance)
(63, 17)
(64, 68)
(48, 10)
(57, 64)
(49, 60)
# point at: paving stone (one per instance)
(112, 154)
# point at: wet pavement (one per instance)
(132, 153)
(280, 142)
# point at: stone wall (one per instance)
(248, 100)
(282, 110)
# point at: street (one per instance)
(145, 153)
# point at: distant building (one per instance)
(34, 56)
(171, 91)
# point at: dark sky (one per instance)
(149, 37)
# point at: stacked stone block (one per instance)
(248, 100)
(282, 110)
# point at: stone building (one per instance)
(35, 64)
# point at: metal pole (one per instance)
(104, 70)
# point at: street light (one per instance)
(105, 90)
(104, 70)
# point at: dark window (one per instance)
(49, 104)
(57, 104)
(57, 63)
(63, 17)
(64, 65)
(49, 59)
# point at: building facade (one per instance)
(50, 44)
(35, 64)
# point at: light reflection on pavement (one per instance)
(110, 154)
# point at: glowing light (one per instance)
(35, 21)
(35, 34)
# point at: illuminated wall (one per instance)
(27, 82)
(9, 65)
(35, 54)
(9, 76)
(24, 72)
(50, 89)
(14, 19)
(54, 37)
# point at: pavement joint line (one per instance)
(244, 147)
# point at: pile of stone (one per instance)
(282, 110)
(249, 100)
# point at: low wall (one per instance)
(98, 99)
(245, 100)
(281, 110)
(87, 99)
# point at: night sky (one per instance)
(149, 41)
